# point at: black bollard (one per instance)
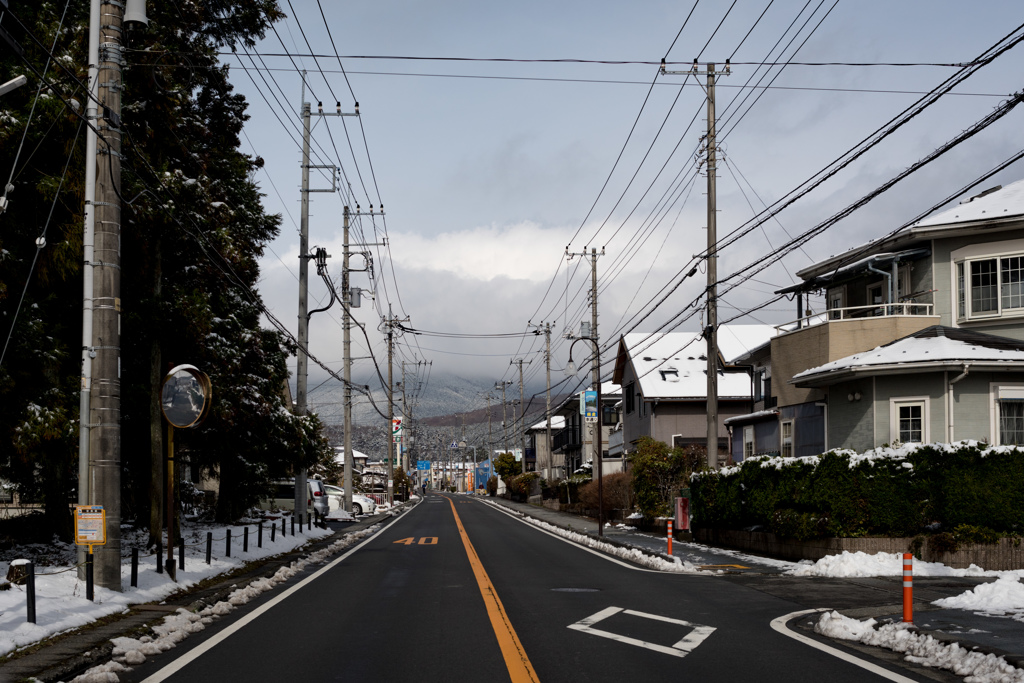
(293, 525)
(284, 529)
(159, 557)
(135, 567)
(273, 532)
(30, 591)
(227, 553)
(209, 546)
(245, 540)
(259, 535)
(181, 553)
(300, 523)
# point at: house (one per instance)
(574, 444)
(664, 384)
(537, 442)
(922, 338)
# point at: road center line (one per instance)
(518, 664)
(779, 625)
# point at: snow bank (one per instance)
(860, 564)
(631, 554)
(1002, 598)
(921, 649)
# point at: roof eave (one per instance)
(835, 376)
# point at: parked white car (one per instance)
(360, 504)
(283, 496)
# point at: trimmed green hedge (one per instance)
(886, 492)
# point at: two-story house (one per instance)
(574, 444)
(664, 384)
(922, 339)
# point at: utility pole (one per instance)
(547, 401)
(504, 418)
(104, 416)
(711, 330)
(522, 411)
(390, 323)
(346, 326)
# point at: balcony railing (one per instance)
(858, 312)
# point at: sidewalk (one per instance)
(65, 656)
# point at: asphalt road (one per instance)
(421, 601)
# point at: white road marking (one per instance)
(684, 647)
(779, 625)
(194, 654)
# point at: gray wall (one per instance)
(850, 422)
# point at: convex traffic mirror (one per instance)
(186, 396)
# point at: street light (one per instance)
(570, 369)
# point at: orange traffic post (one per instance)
(670, 537)
(908, 588)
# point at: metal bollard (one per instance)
(88, 580)
(259, 535)
(30, 591)
(273, 532)
(181, 553)
(670, 537)
(245, 540)
(300, 523)
(293, 525)
(908, 588)
(135, 567)
(284, 530)
(209, 546)
(159, 557)
(227, 553)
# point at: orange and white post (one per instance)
(670, 537)
(908, 588)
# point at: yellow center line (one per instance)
(518, 664)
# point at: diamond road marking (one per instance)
(680, 649)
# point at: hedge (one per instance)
(885, 492)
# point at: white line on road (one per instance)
(779, 625)
(194, 654)
(684, 647)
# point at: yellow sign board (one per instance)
(90, 525)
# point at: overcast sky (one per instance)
(489, 170)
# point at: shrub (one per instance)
(658, 473)
(492, 486)
(520, 485)
(615, 494)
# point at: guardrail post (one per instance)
(259, 535)
(293, 524)
(159, 557)
(245, 540)
(135, 567)
(273, 531)
(284, 529)
(227, 553)
(209, 546)
(181, 553)
(300, 523)
(908, 588)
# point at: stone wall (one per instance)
(1006, 554)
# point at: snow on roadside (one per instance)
(630, 554)
(861, 564)
(60, 597)
(921, 648)
(180, 625)
(1002, 598)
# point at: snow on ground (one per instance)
(860, 564)
(1002, 598)
(60, 596)
(631, 554)
(921, 648)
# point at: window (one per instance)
(759, 385)
(908, 420)
(990, 286)
(836, 300)
(787, 438)
(1008, 414)
(748, 441)
(627, 394)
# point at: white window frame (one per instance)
(894, 416)
(975, 253)
(783, 442)
(748, 441)
(994, 393)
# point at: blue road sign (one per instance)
(423, 465)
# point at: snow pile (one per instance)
(1003, 597)
(861, 564)
(180, 625)
(631, 554)
(921, 649)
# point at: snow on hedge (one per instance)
(920, 648)
(861, 564)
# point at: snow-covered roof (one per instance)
(752, 417)
(557, 422)
(339, 455)
(1000, 208)
(931, 347)
(673, 364)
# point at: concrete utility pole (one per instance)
(346, 326)
(711, 330)
(104, 416)
(504, 418)
(547, 401)
(522, 411)
(390, 323)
